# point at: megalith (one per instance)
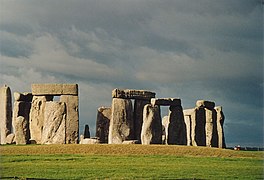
(5, 113)
(54, 127)
(21, 128)
(151, 132)
(121, 124)
(189, 117)
(86, 133)
(104, 115)
(36, 119)
(220, 127)
(165, 125)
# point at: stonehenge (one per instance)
(134, 117)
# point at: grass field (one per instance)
(128, 162)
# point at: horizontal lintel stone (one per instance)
(132, 94)
(54, 89)
(166, 101)
(206, 104)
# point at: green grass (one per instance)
(51, 162)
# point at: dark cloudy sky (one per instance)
(191, 49)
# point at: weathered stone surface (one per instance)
(177, 128)
(104, 115)
(54, 123)
(166, 101)
(5, 113)
(54, 89)
(88, 140)
(86, 133)
(132, 94)
(131, 142)
(211, 128)
(189, 117)
(121, 124)
(21, 129)
(72, 120)
(138, 116)
(10, 139)
(207, 104)
(198, 127)
(27, 97)
(220, 126)
(152, 127)
(165, 126)
(21, 108)
(36, 117)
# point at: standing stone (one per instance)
(198, 127)
(54, 123)
(72, 121)
(121, 124)
(152, 127)
(5, 113)
(102, 123)
(165, 126)
(187, 120)
(211, 128)
(36, 120)
(177, 127)
(138, 117)
(220, 127)
(21, 129)
(86, 132)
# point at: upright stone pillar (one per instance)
(5, 113)
(86, 133)
(54, 126)
(177, 128)
(165, 126)
(104, 115)
(138, 116)
(220, 127)
(36, 119)
(72, 120)
(152, 127)
(22, 106)
(121, 124)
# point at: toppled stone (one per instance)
(21, 129)
(131, 142)
(205, 104)
(88, 140)
(86, 133)
(220, 126)
(166, 101)
(121, 123)
(177, 127)
(138, 116)
(5, 113)
(27, 97)
(104, 115)
(54, 123)
(54, 89)
(132, 94)
(152, 128)
(10, 139)
(36, 119)
(72, 119)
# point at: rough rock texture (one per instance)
(205, 104)
(220, 127)
(88, 140)
(27, 97)
(189, 117)
(21, 129)
(152, 127)
(72, 121)
(177, 127)
(198, 127)
(86, 133)
(132, 94)
(138, 117)
(104, 115)
(36, 117)
(166, 101)
(54, 89)
(54, 123)
(5, 113)
(131, 142)
(121, 124)
(10, 139)
(165, 125)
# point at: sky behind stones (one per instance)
(195, 49)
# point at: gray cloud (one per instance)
(187, 49)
